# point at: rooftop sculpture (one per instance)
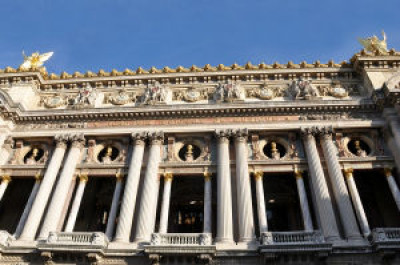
(373, 44)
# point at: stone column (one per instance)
(28, 206)
(128, 203)
(165, 203)
(393, 186)
(305, 210)
(244, 203)
(395, 125)
(5, 180)
(207, 225)
(35, 215)
(362, 218)
(224, 190)
(261, 212)
(342, 197)
(114, 206)
(319, 187)
(73, 213)
(61, 191)
(148, 205)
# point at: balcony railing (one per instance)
(294, 241)
(177, 239)
(71, 240)
(386, 238)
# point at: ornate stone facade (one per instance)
(253, 164)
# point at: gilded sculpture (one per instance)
(35, 61)
(374, 44)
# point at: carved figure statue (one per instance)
(32, 159)
(107, 156)
(155, 94)
(229, 92)
(373, 44)
(274, 151)
(86, 97)
(359, 151)
(303, 89)
(35, 60)
(189, 153)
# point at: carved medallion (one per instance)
(54, 102)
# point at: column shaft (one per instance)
(148, 205)
(128, 204)
(323, 201)
(28, 206)
(305, 210)
(261, 212)
(60, 194)
(224, 192)
(35, 215)
(342, 197)
(244, 202)
(114, 207)
(207, 226)
(393, 186)
(165, 203)
(76, 203)
(4, 184)
(362, 218)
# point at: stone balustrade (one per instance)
(71, 240)
(294, 241)
(386, 238)
(171, 239)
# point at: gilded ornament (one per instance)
(35, 60)
(374, 44)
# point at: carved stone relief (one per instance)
(120, 97)
(229, 92)
(366, 144)
(106, 152)
(190, 149)
(156, 94)
(35, 153)
(191, 95)
(303, 89)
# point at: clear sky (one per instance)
(106, 34)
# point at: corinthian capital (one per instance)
(325, 132)
(156, 137)
(77, 140)
(139, 138)
(223, 135)
(308, 132)
(61, 140)
(240, 135)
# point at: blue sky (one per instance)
(107, 34)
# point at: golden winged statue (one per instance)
(35, 60)
(373, 44)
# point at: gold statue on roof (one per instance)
(373, 44)
(35, 60)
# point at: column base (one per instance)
(224, 241)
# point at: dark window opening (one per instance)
(186, 205)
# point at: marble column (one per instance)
(207, 225)
(224, 190)
(261, 212)
(128, 203)
(28, 206)
(73, 213)
(148, 204)
(395, 125)
(324, 208)
(243, 191)
(35, 214)
(393, 186)
(355, 196)
(61, 191)
(114, 206)
(5, 180)
(342, 197)
(305, 210)
(168, 177)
